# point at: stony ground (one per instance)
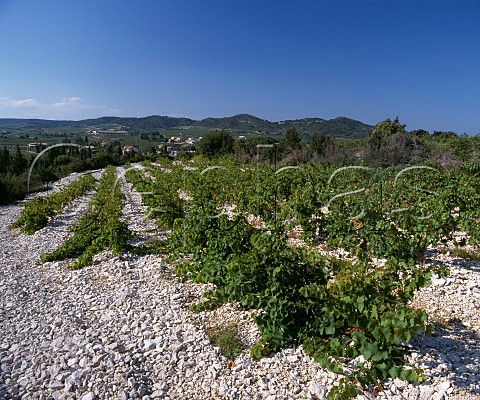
(121, 329)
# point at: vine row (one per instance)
(37, 212)
(100, 228)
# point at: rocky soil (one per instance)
(121, 329)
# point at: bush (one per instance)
(12, 188)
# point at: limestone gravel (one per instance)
(121, 329)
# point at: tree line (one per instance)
(387, 144)
(55, 163)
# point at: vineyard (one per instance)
(326, 258)
(233, 225)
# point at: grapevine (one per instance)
(37, 212)
(100, 228)
(337, 309)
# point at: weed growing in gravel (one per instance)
(227, 338)
(152, 246)
(460, 252)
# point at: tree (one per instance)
(47, 175)
(18, 163)
(444, 136)
(420, 133)
(292, 139)
(216, 143)
(402, 149)
(4, 159)
(239, 147)
(319, 142)
(463, 147)
(380, 132)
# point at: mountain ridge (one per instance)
(240, 123)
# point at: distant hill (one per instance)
(151, 122)
(16, 123)
(143, 123)
(340, 127)
(244, 122)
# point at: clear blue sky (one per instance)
(364, 59)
